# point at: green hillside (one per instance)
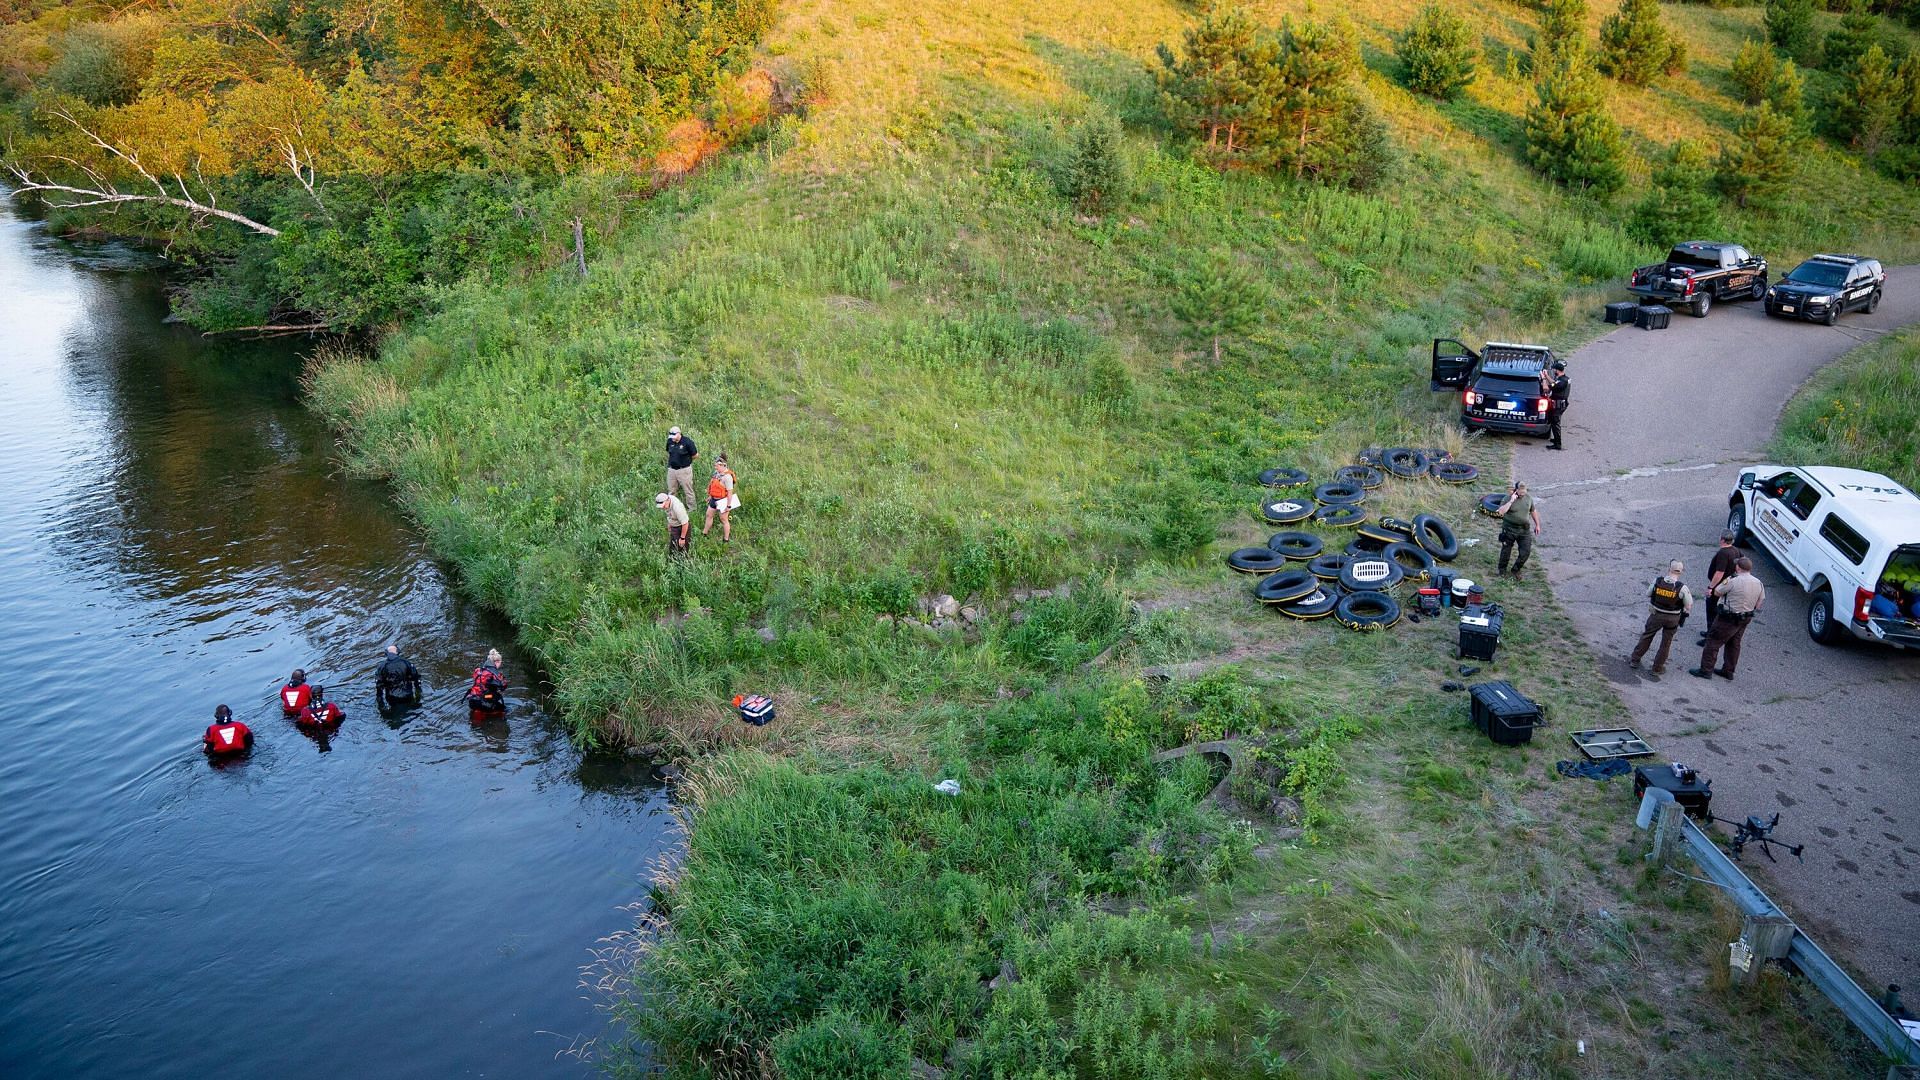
(933, 373)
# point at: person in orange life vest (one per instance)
(720, 499)
(296, 695)
(488, 694)
(227, 735)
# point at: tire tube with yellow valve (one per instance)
(1436, 537)
(1367, 611)
(1286, 586)
(1413, 560)
(1256, 560)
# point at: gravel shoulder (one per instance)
(1660, 425)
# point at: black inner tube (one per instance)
(1406, 463)
(1455, 472)
(1365, 475)
(1415, 560)
(1340, 515)
(1436, 536)
(1256, 560)
(1339, 492)
(1296, 545)
(1285, 586)
(1287, 511)
(1328, 566)
(1368, 610)
(1284, 476)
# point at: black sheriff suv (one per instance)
(1499, 384)
(1826, 286)
(1699, 272)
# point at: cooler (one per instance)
(1479, 634)
(1506, 715)
(1693, 792)
(755, 709)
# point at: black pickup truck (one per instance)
(1499, 384)
(1697, 273)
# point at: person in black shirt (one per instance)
(396, 683)
(680, 455)
(1554, 384)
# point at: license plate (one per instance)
(1505, 406)
(1787, 307)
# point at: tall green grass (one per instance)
(1863, 412)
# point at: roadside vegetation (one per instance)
(1008, 296)
(1860, 412)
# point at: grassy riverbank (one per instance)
(933, 375)
(1863, 412)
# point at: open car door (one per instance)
(1452, 364)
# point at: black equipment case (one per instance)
(1652, 317)
(1506, 715)
(1479, 633)
(1694, 792)
(1621, 312)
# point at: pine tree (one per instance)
(1096, 173)
(1210, 88)
(1682, 202)
(1867, 111)
(1570, 135)
(1858, 31)
(1635, 46)
(1759, 163)
(1439, 50)
(1790, 28)
(1787, 93)
(1755, 67)
(1563, 29)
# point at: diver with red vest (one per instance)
(297, 695)
(226, 735)
(319, 712)
(487, 697)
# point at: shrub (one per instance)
(1184, 525)
(1635, 46)
(837, 1045)
(1754, 68)
(94, 66)
(1790, 28)
(1571, 137)
(1682, 201)
(1095, 177)
(1563, 28)
(1439, 51)
(1868, 109)
(1845, 46)
(1759, 163)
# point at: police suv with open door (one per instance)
(1499, 384)
(1850, 538)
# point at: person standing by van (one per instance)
(1740, 598)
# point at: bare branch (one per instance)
(103, 192)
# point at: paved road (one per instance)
(1660, 424)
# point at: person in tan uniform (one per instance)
(1739, 597)
(1669, 603)
(679, 525)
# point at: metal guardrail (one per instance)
(1813, 962)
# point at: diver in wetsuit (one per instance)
(396, 683)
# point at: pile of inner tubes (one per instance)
(1302, 577)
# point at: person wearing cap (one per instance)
(1740, 598)
(680, 455)
(1719, 570)
(226, 735)
(679, 524)
(1669, 603)
(1556, 388)
(1519, 524)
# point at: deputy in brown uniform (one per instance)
(1740, 598)
(1670, 603)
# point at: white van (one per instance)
(1850, 538)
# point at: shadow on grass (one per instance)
(1111, 77)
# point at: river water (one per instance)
(412, 897)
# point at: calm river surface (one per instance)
(414, 898)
